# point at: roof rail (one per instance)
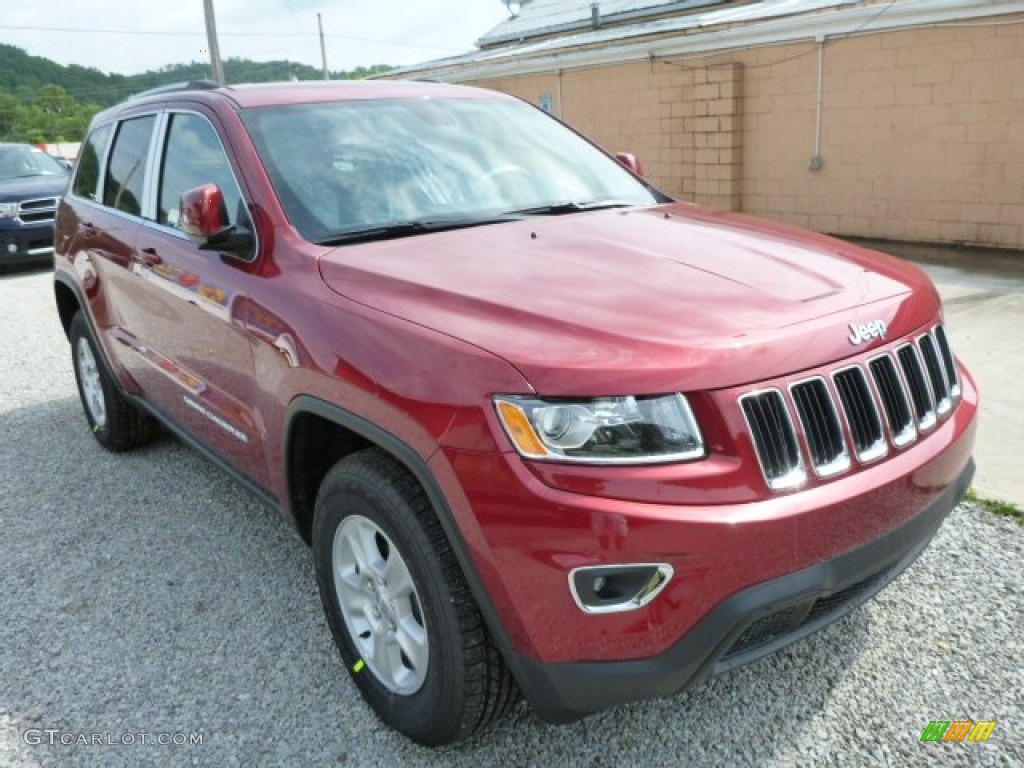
(191, 85)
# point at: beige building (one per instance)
(900, 120)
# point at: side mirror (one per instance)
(630, 162)
(204, 219)
(203, 214)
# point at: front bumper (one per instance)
(755, 622)
(748, 577)
(24, 244)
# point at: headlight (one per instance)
(8, 210)
(604, 430)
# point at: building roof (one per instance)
(691, 30)
(698, 19)
(538, 18)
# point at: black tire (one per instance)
(467, 685)
(122, 426)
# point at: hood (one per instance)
(30, 187)
(639, 300)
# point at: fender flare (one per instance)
(419, 468)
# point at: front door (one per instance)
(193, 340)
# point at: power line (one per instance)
(172, 33)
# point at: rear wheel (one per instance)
(116, 424)
(398, 605)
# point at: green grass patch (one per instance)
(1001, 508)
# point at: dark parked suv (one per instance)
(31, 183)
(546, 430)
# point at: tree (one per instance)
(53, 100)
(8, 113)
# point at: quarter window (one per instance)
(126, 173)
(193, 157)
(87, 175)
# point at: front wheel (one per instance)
(398, 605)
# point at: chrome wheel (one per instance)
(380, 605)
(92, 385)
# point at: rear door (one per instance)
(98, 225)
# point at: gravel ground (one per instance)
(150, 593)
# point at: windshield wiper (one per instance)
(410, 228)
(571, 206)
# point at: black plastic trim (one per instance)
(565, 692)
(186, 437)
(416, 464)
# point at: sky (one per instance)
(130, 36)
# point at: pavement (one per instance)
(983, 294)
(147, 595)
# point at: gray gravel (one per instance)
(150, 593)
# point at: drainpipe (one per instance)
(595, 15)
(816, 160)
(559, 96)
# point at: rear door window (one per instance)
(87, 173)
(126, 172)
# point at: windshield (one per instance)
(393, 167)
(22, 161)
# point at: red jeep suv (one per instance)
(547, 431)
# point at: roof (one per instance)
(692, 30)
(251, 95)
(545, 17)
(310, 91)
(698, 20)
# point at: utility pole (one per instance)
(216, 66)
(323, 48)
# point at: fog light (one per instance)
(616, 588)
(12, 247)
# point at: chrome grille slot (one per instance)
(913, 373)
(936, 373)
(895, 402)
(861, 413)
(948, 361)
(774, 437)
(816, 412)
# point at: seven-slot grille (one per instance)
(892, 399)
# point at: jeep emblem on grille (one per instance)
(861, 332)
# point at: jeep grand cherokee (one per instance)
(546, 430)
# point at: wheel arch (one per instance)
(68, 301)
(334, 432)
(365, 434)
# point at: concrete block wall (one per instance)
(922, 130)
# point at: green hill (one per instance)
(23, 75)
(41, 100)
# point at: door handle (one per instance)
(150, 257)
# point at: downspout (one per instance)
(816, 160)
(558, 88)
